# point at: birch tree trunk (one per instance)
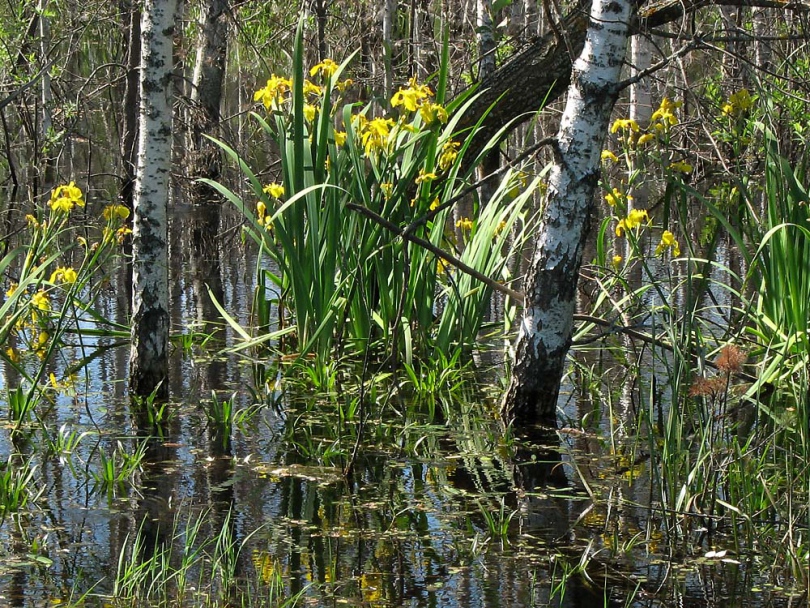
(150, 299)
(640, 111)
(762, 21)
(640, 96)
(206, 91)
(545, 330)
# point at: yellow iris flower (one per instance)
(63, 198)
(634, 219)
(668, 242)
(448, 154)
(276, 87)
(326, 68)
(274, 190)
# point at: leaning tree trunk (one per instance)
(544, 67)
(545, 330)
(150, 300)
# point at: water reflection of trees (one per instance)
(407, 528)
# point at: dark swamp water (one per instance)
(441, 508)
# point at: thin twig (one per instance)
(25, 86)
(646, 338)
(694, 44)
(452, 260)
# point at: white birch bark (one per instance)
(762, 49)
(206, 91)
(641, 112)
(640, 96)
(209, 65)
(547, 323)
(150, 299)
